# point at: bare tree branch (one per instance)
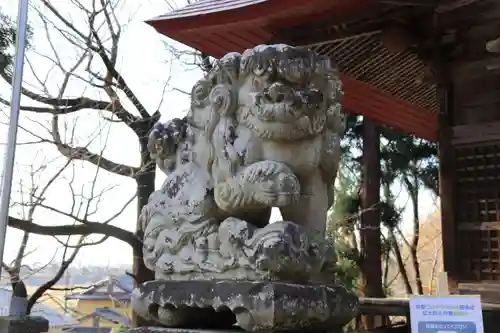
(54, 102)
(96, 44)
(82, 153)
(78, 229)
(109, 63)
(61, 106)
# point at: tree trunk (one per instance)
(401, 263)
(413, 189)
(145, 187)
(387, 261)
(395, 246)
(371, 247)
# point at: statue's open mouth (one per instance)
(286, 106)
(280, 112)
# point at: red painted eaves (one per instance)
(207, 15)
(383, 108)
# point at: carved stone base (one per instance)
(254, 306)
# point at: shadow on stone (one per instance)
(194, 317)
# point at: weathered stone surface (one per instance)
(235, 249)
(255, 306)
(23, 324)
(263, 131)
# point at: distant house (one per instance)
(58, 320)
(105, 304)
(112, 292)
(105, 317)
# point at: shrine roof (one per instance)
(382, 85)
(203, 7)
(215, 26)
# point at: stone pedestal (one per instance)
(254, 306)
(23, 324)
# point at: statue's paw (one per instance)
(265, 195)
(286, 199)
(281, 191)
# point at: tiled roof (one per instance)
(120, 296)
(202, 7)
(124, 283)
(113, 316)
(55, 318)
(109, 315)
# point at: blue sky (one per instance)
(156, 77)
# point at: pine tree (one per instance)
(404, 159)
(412, 162)
(7, 40)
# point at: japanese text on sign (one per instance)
(446, 314)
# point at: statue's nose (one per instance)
(278, 92)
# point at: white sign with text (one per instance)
(446, 314)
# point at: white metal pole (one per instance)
(10, 150)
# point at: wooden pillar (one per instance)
(371, 248)
(446, 156)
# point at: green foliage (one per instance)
(348, 272)
(390, 216)
(7, 40)
(352, 145)
(402, 158)
(341, 228)
(406, 157)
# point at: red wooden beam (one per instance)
(383, 108)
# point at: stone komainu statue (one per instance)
(263, 131)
